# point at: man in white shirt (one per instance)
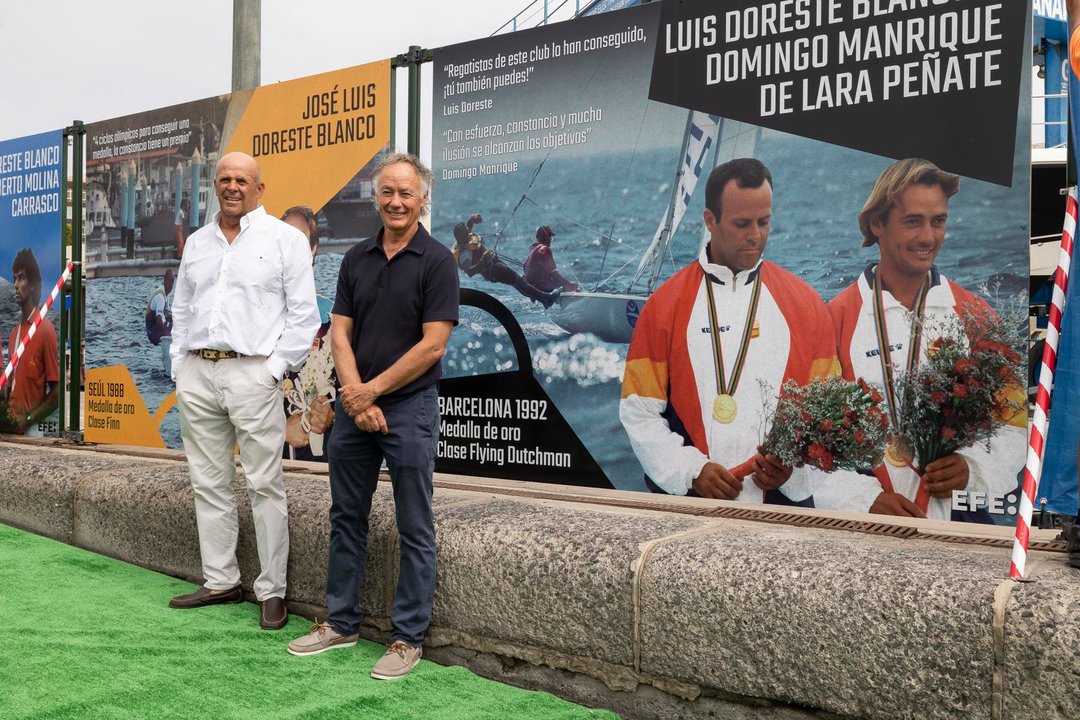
(244, 312)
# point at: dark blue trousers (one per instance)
(355, 457)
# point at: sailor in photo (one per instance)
(159, 320)
(34, 391)
(707, 338)
(473, 258)
(883, 323)
(541, 270)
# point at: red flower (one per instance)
(820, 456)
(937, 397)
(937, 345)
(860, 437)
(948, 433)
(1004, 351)
(965, 364)
(826, 425)
(959, 391)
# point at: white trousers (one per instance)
(225, 404)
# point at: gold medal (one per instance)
(899, 452)
(724, 409)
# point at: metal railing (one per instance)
(541, 12)
(1049, 123)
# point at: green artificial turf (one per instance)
(85, 636)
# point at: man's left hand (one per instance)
(769, 472)
(358, 397)
(945, 475)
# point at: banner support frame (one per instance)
(75, 315)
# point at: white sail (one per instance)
(700, 137)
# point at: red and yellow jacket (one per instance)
(670, 383)
(993, 472)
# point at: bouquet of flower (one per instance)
(9, 422)
(829, 423)
(958, 396)
(316, 379)
(317, 375)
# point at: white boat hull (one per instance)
(609, 316)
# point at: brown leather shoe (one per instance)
(204, 596)
(1073, 543)
(273, 615)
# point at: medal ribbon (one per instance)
(884, 352)
(723, 387)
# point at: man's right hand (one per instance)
(716, 481)
(295, 435)
(321, 415)
(371, 420)
(890, 503)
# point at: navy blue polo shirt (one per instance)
(390, 300)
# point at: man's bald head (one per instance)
(238, 184)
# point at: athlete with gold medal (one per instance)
(884, 322)
(692, 404)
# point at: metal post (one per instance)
(247, 48)
(394, 65)
(75, 317)
(65, 341)
(545, 11)
(415, 58)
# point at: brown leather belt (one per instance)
(215, 355)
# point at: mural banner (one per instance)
(150, 184)
(31, 225)
(671, 251)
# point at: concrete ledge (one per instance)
(650, 613)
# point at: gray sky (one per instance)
(118, 57)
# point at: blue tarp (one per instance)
(1058, 485)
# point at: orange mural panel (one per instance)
(115, 411)
(314, 134)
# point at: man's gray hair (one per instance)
(422, 171)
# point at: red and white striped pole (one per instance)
(10, 369)
(1037, 440)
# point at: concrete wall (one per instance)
(652, 614)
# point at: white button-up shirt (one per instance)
(255, 296)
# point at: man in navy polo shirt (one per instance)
(397, 301)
